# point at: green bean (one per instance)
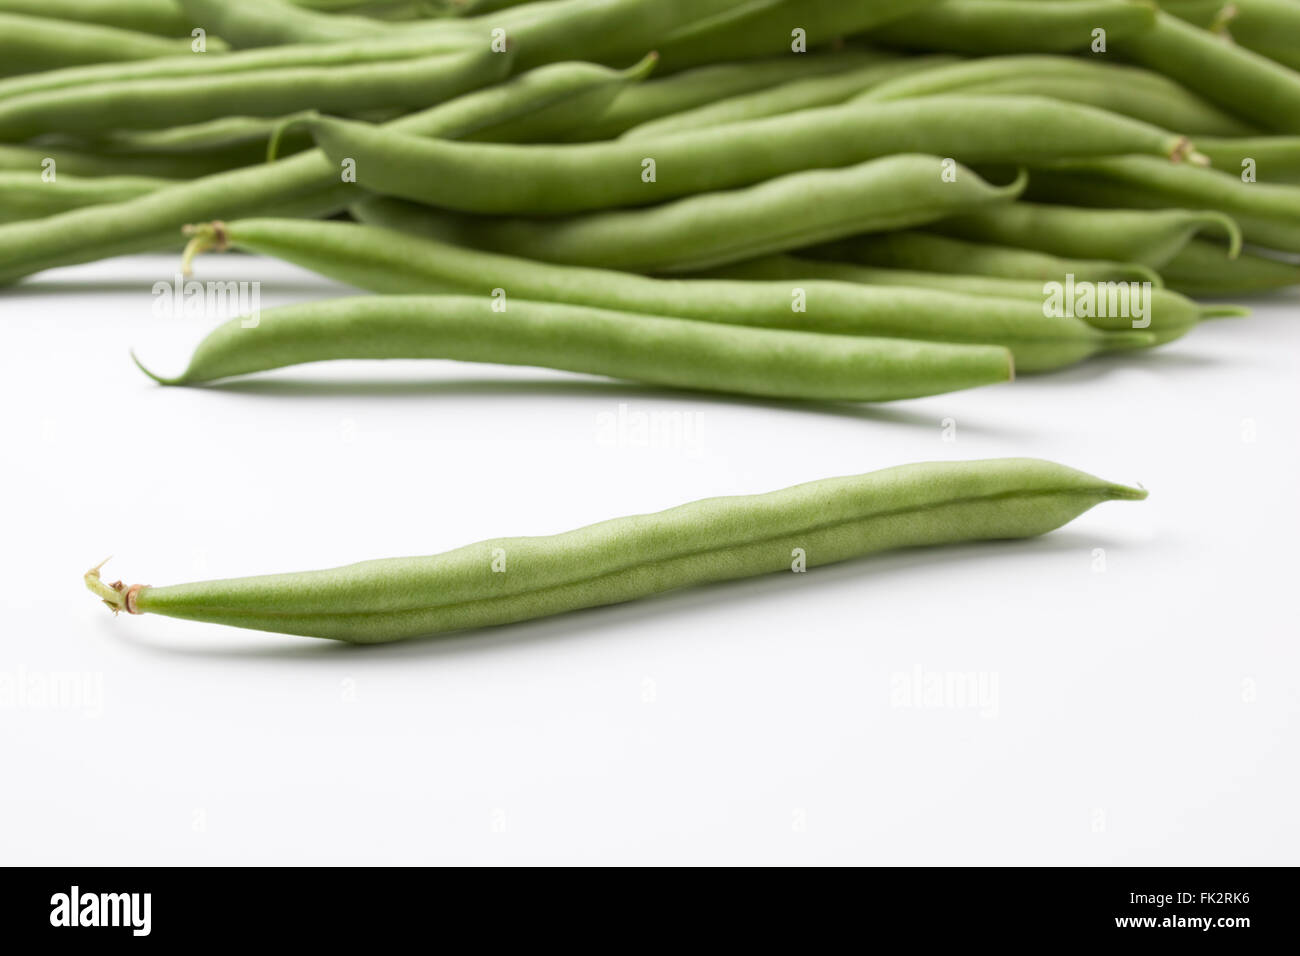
(926, 252)
(768, 30)
(1201, 268)
(789, 97)
(678, 353)
(80, 162)
(1242, 82)
(31, 44)
(1269, 215)
(305, 185)
(983, 27)
(380, 260)
(1269, 27)
(1172, 315)
(1275, 159)
(159, 17)
(665, 98)
(1150, 237)
(711, 229)
(258, 23)
(152, 104)
(1127, 90)
(26, 196)
(544, 180)
(505, 580)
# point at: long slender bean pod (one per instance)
(1201, 268)
(1270, 159)
(160, 17)
(505, 580)
(379, 260)
(30, 44)
(25, 196)
(709, 229)
(82, 162)
(677, 353)
(1150, 237)
(1269, 27)
(1268, 214)
(258, 23)
(549, 180)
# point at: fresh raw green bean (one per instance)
(305, 185)
(154, 104)
(789, 97)
(1269, 215)
(1269, 27)
(505, 580)
(1201, 268)
(1128, 90)
(1240, 81)
(24, 195)
(678, 353)
(31, 44)
(258, 23)
(670, 96)
(1171, 314)
(1273, 159)
(710, 229)
(160, 17)
(380, 260)
(770, 28)
(80, 162)
(926, 252)
(551, 180)
(983, 27)
(1150, 237)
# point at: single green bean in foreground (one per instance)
(1147, 236)
(1201, 268)
(31, 44)
(380, 260)
(303, 185)
(982, 27)
(557, 179)
(504, 580)
(678, 353)
(1268, 214)
(927, 252)
(24, 195)
(1171, 315)
(710, 229)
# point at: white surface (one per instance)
(1144, 715)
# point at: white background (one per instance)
(1141, 715)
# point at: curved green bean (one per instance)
(1149, 237)
(678, 353)
(1201, 268)
(505, 580)
(549, 180)
(926, 252)
(30, 44)
(710, 229)
(1269, 27)
(24, 195)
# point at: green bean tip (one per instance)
(157, 378)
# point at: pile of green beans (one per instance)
(505, 580)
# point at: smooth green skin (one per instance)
(716, 539)
(259, 23)
(788, 97)
(670, 96)
(767, 31)
(1127, 90)
(1277, 158)
(304, 185)
(712, 229)
(1242, 82)
(1172, 315)
(1268, 214)
(1201, 268)
(1150, 237)
(23, 195)
(157, 104)
(160, 17)
(380, 260)
(984, 27)
(553, 180)
(678, 353)
(81, 162)
(30, 44)
(1269, 27)
(926, 252)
